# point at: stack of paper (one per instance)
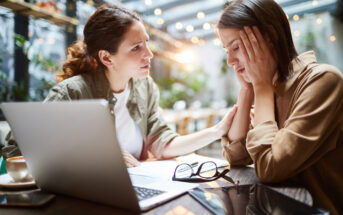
(165, 169)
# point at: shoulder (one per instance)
(72, 88)
(146, 84)
(325, 76)
(322, 82)
(327, 71)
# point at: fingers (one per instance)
(244, 51)
(253, 41)
(248, 47)
(130, 161)
(261, 41)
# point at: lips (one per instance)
(240, 70)
(147, 66)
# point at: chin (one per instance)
(143, 74)
(247, 79)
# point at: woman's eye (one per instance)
(235, 48)
(135, 48)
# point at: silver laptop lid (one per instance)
(71, 148)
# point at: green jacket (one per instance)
(143, 105)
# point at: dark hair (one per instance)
(269, 17)
(104, 30)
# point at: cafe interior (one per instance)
(197, 88)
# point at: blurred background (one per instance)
(196, 85)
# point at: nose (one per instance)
(231, 60)
(148, 53)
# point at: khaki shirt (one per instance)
(143, 106)
(305, 141)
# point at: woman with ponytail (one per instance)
(112, 63)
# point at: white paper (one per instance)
(165, 169)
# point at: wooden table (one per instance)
(184, 205)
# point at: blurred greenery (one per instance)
(12, 91)
(185, 85)
(309, 39)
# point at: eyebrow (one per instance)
(229, 43)
(135, 43)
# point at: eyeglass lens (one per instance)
(208, 170)
(184, 171)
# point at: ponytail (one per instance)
(78, 62)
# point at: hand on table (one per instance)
(130, 161)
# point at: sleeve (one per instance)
(58, 93)
(235, 152)
(159, 134)
(10, 148)
(282, 153)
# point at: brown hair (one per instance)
(104, 30)
(269, 17)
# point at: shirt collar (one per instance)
(104, 91)
(300, 63)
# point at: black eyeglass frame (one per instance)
(202, 178)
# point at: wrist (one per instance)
(217, 131)
(263, 88)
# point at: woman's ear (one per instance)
(105, 58)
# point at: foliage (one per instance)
(12, 91)
(185, 86)
(309, 39)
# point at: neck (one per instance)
(117, 82)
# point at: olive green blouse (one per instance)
(143, 106)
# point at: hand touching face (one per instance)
(258, 56)
(249, 55)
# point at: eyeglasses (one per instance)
(207, 171)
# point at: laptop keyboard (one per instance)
(146, 193)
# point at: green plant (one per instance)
(184, 86)
(15, 91)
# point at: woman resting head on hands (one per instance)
(112, 63)
(297, 127)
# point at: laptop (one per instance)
(71, 148)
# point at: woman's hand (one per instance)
(259, 62)
(130, 161)
(224, 125)
(243, 83)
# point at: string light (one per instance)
(200, 15)
(296, 33)
(216, 42)
(51, 41)
(189, 28)
(333, 38)
(206, 26)
(295, 17)
(148, 2)
(160, 21)
(287, 16)
(178, 26)
(158, 11)
(195, 39)
(314, 3)
(319, 21)
(40, 40)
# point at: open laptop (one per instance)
(71, 148)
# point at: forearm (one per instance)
(241, 122)
(264, 104)
(191, 142)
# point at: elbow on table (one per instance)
(270, 174)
